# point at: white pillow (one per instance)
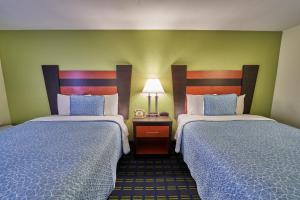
(195, 104)
(63, 104)
(111, 104)
(240, 105)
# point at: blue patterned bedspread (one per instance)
(59, 160)
(240, 160)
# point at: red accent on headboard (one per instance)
(221, 74)
(87, 74)
(86, 90)
(201, 90)
(94, 87)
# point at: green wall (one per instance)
(4, 111)
(150, 52)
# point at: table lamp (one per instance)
(153, 87)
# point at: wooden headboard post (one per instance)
(248, 85)
(179, 88)
(124, 83)
(51, 78)
(88, 82)
(212, 82)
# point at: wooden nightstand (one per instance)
(152, 135)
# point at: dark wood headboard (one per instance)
(212, 82)
(88, 82)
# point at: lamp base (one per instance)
(152, 114)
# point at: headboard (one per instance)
(212, 82)
(88, 82)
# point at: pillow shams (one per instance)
(86, 105)
(220, 104)
(63, 104)
(195, 104)
(240, 104)
(111, 104)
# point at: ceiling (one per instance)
(266, 15)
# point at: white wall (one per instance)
(4, 112)
(286, 100)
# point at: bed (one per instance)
(67, 157)
(236, 156)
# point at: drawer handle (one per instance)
(153, 132)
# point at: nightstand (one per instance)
(152, 135)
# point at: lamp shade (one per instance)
(153, 85)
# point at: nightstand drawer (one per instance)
(152, 131)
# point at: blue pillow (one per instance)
(220, 104)
(86, 105)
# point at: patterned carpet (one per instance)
(154, 178)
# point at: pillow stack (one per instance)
(212, 105)
(86, 105)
